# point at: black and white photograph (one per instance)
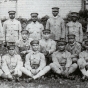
(43, 43)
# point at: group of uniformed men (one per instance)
(35, 51)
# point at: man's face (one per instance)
(24, 25)
(12, 16)
(71, 40)
(46, 36)
(55, 13)
(35, 47)
(34, 18)
(11, 52)
(74, 19)
(24, 35)
(61, 47)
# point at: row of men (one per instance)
(56, 24)
(35, 58)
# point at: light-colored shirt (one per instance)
(62, 58)
(49, 45)
(35, 30)
(12, 28)
(11, 63)
(35, 58)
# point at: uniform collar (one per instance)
(34, 22)
(35, 52)
(24, 40)
(72, 44)
(56, 17)
(12, 20)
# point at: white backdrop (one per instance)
(43, 7)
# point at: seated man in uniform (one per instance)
(74, 48)
(11, 64)
(23, 45)
(61, 60)
(35, 63)
(83, 61)
(47, 45)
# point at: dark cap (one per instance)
(61, 42)
(55, 9)
(25, 32)
(12, 12)
(11, 41)
(34, 42)
(46, 31)
(34, 14)
(74, 14)
(71, 36)
(86, 42)
(11, 47)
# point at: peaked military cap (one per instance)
(46, 31)
(55, 9)
(86, 42)
(34, 42)
(34, 14)
(11, 47)
(71, 36)
(25, 31)
(12, 12)
(74, 14)
(61, 42)
(11, 41)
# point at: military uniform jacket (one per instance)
(62, 58)
(24, 46)
(12, 28)
(35, 30)
(49, 45)
(35, 58)
(57, 27)
(75, 48)
(11, 63)
(76, 29)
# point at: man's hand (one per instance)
(74, 60)
(10, 76)
(33, 71)
(73, 56)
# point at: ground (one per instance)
(46, 83)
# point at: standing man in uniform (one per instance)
(35, 28)
(47, 45)
(56, 25)
(74, 27)
(74, 48)
(35, 64)
(83, 61)
(12, 27)
(11, 64)
(23, 44)
(61, 60)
